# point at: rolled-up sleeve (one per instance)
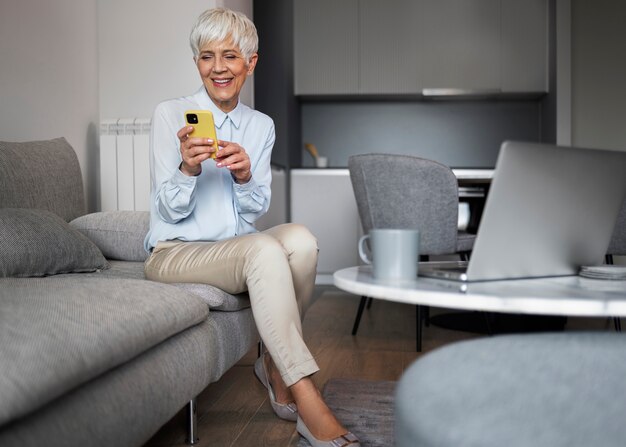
(174, 192)
(252, 199)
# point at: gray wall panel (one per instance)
(460, 134)
(599, 74)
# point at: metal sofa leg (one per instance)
(192, 423)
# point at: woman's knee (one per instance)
(297, 238)
(264, 248)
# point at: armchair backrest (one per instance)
(402, 191)
(43, 175)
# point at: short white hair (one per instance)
(218, 24)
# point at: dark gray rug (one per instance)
(364, 407)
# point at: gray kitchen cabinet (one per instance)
(524, 48)
(388, 61)
(459, 44)
(372, 47)
(323, 201)
(326, 47)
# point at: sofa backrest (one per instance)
(43, 175)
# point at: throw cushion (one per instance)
(41, 175)
(39, 243)
(118, 234)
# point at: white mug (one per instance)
(321, 162)
(395, 253)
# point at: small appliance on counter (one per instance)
(320, 162)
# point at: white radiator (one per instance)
(125, 164)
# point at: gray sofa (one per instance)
(91, 353)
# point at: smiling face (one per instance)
(224, 70)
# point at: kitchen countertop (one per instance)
(465, 175)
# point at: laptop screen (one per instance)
(550, 210)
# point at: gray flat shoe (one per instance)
(289, 411)
(345, 440)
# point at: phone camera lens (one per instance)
(192, 118)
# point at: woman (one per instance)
(203, 213)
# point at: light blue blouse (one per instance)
(211, 206)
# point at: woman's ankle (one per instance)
(314, 412)
(282, 393)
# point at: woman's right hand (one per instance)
(193, 151)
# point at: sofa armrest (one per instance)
(118, 234)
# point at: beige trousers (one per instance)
(277, 267)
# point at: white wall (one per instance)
(145, 55)
(48, 76)
(67, 64)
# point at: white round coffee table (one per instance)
(565, 295)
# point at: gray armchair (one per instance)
(402, 191)
(556, 390)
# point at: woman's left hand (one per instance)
(234, 158)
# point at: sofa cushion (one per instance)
(62, 331)
(38, 243)
(127, 405)
(118, 234)
(215, 298)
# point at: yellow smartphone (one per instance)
(203, 126)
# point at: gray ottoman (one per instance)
(557, 389)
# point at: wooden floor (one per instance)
(235, 410)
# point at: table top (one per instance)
(562, 295)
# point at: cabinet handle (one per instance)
(459, 91)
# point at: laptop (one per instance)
(549, 211)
